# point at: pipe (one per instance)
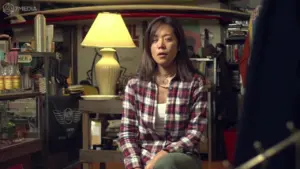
(125, 15)
(293, 139)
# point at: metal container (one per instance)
(40, 33)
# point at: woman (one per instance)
(165, 106)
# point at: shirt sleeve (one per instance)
(129, 130)
(198, 120)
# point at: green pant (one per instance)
(178, 161)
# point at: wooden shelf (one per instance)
(100, 156)
(18, 95)
(38, 54)
(28, 146)
(235, 40)
(112, 106)
(202, 59)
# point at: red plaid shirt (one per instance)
(185, 120)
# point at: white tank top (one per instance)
(160, 118)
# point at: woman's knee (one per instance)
(167, 162)
(177, 161)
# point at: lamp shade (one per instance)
(108, 31)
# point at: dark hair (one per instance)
(147, 68)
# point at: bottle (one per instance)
(2, 55)
(16, 78)
(8, 71)
(7, 74)
(1, 79)
(32, 43)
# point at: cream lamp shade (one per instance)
(108, 31)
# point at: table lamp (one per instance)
(108, 31)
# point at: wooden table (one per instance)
(103, 107)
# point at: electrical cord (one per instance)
(90, 73)
(123, 69)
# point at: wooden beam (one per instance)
(121, 1)
(144, 8)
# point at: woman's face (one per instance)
(164, 46)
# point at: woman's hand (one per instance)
(158, 156)
(150, 165)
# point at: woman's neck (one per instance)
(167, 71)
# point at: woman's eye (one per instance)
(169, 39)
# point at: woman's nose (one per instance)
(161, 43)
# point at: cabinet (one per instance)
(16, 148)
(23, 122)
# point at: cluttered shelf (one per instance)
(18, 95)
(24, 147)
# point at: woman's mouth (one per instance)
(162, 54)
